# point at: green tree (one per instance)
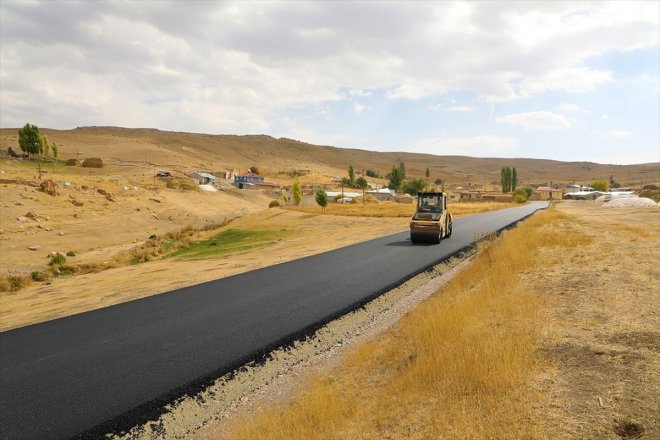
(600, 185)
(505, 178)
(428, 173)
(362, 183)
(55, 148)
(253, 169)
(296, 190)
(351, 175)
(514, 179)
(372, 173)
(396, 177)
(285, 198)
(322, 198)
(415, 186)
(29, 139)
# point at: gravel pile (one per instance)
(209, 188)
(631, 202)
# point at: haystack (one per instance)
(368, 199)
(92, 162)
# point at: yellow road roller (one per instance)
(431, 221)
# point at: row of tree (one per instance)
(509, 179)
(33, 143)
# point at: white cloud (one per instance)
(570, 108)
(572, 79)
(535, 120)
(359, 108)
(479, 146)
(620, 134)
(164, 63)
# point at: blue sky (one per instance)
(556, 80)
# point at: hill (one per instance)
(141, 150)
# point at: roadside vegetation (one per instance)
(227, 242)
(392, 209)
(460, 366)
(186, 243)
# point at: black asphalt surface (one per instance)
(68, 376)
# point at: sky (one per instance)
(571, 81)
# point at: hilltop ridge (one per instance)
(184, 152)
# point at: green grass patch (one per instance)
(227, 242)
(33, 164)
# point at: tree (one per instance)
(505, 176)
(362, 183)
(45, 146)
(514, 179)
(351, 175)
(415, 186)
(55, 149)
(428, 173)
(396, 176)
(296, 190)
(438, 181)
(285, 198)
(253, 170)
(600, 185)
(29, 139)
(372, 173)
(322, 198)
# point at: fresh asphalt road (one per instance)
(64, 377)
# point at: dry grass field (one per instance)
(552, 333)
(392, 209)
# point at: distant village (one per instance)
(456, 192)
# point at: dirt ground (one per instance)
(69, 295)
(601, 339)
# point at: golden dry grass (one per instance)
(460, 366)
(392, 209)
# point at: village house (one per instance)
(204, 178)
(548, 193)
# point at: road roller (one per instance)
(431, 221)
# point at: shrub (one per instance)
(651, 194)
(71, 254)
(16, 282)
(274, 204)
(57, 259)
(37, 276)
(521, 194)
(92, 162)
(72, 163)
